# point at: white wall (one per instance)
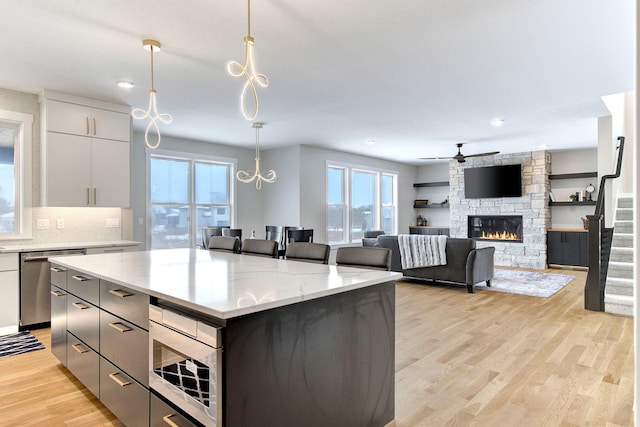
(281, 200)
(249, 200)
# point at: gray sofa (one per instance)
(465, 264)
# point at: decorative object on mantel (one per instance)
(152, 110)
(248, 70)
(527, 282)
(247, 177)
(590, 189)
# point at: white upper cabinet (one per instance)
(75, 119)
(85, 152)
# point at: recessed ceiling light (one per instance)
(124, 84)
(371, 141)
(543, 146)
(497, 122)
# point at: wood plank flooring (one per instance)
(483, 359)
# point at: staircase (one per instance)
(618, 293)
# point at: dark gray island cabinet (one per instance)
(292, 344)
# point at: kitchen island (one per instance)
(302, 344)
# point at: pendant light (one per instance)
(246, 177)
(152, 111)
(248, 70)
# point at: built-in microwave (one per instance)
(185, 363)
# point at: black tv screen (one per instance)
(493, 181)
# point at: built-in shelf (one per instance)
(572, 175)
(585, 203)
(431, 184)
(433, 206)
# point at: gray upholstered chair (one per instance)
(224, 244)
(209, 232)
(233, 232)
(284, 240)
(370, 238)
(259, 247)
(364, 257)
(308, 252)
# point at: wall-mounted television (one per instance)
(493, 181)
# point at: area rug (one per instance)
(527, 282)
(22, 342)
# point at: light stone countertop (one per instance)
(7, 247)
(224, 285)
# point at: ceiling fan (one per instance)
(460, 157)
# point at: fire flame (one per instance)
(500, 235)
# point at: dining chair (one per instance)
(209, 232)
(224, 244)
(364, 257)
(305, 235)
(283, 238)
(273, 232)
(260, 247)
(308, 252)
(234, 232)
(370, 234)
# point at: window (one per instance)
(359, 199)
(186, 194)
(15, 175)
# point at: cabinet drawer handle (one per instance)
(167, 420)
(79, 348)
(120, 293)
(80, 305)
(107, 251)
(88, 190)
(120, 327)
(114, 377)
(57, 269)
(81, 278)
(95, 196)
(87, 125)
(57, 293)
(94, 126)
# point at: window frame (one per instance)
(23, 198)
(348, 170)
(191, 159)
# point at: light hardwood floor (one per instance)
(483, 359)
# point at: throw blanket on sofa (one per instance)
(418, 250)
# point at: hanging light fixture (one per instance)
(248, 70)
(152, 111)
(256, 175)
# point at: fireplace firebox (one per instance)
(507, 228)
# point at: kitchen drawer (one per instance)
(162, 414)
(84, 364)
(59, 276)
(125, 345)
(83, 320)
(59, 324)
(84, 286)
(8, 262)
(130, 305)
(127, 399)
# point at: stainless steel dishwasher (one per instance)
(35, 287)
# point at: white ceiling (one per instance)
(417, 76)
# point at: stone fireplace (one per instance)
(529, 250)
(505, 228)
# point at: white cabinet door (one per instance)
(110, 173)
(10, 291)
(67, 181)
(68, 118)
(110, 125)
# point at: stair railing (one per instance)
(596, 276)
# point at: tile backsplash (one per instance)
(52, 225)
